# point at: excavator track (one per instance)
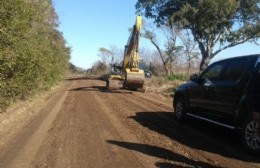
(113, 84)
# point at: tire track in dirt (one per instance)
(123, 133)
(85, 143)
(106, 101)
(53, 146)
(27, 143)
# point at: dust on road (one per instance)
(83, 125)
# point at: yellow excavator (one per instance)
(129, 75)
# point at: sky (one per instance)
(88, 25)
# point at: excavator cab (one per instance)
(116, 69)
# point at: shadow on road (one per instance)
(170, 165)
(160, 153)
(102, 89)
(196, 134)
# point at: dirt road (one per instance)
(81, 125)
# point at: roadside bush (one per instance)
(181, 77)
(33, 53)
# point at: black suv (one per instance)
(220, 95)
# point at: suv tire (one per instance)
(251, 136)
(179, 109)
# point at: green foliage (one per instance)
(72, 68)
(181, 77)
(225, 23)
(33, 53)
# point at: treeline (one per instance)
(187, 35)
(213, 26)
(33, 53)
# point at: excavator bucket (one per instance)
(134, 80)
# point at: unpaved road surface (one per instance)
(81, 125)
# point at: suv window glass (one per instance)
(234, 70)
(213, 72)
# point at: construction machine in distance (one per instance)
(129, 75)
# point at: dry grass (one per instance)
(160, 85)
(20, 113)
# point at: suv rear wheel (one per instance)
(251, 136)
(179, 109)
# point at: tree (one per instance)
(173, 50)
(33, 53)
(118, 54)
(145, 54)
(112, 55)
(189, 49)
(105, 55)
(213, 23)
(150, 35)
(169, 54)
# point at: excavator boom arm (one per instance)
(131, 49)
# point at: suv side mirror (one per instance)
(194, 77)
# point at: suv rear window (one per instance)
(234, 70)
